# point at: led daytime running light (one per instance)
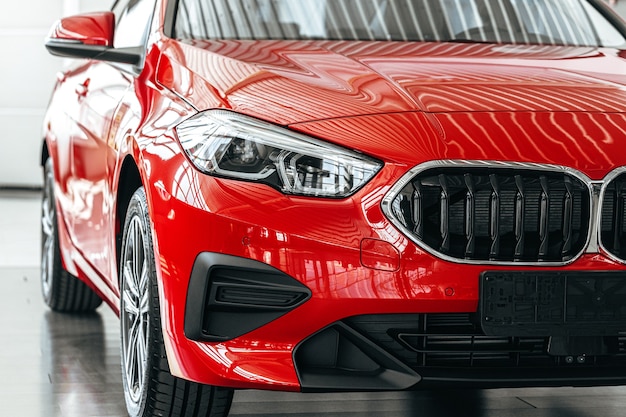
(227, 144)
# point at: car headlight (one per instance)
(227, 144)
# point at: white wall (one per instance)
(27, 75)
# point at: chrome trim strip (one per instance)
(62, 41)
(597, 195)
(593, 233)
(605, 182)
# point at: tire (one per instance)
(149, 387)
(61, 291)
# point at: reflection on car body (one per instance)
(341, 194)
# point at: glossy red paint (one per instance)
(90, 29)
(363, 78)
(588, 141)
(403, 103)
(209, 215)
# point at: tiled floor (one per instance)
(19, 228)
(54, 365)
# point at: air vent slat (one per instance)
(520, 201)
(568, 208)
(470, 214)
(544, 217)
(445, 214)
(418, 209)
(494, 223)
(618, 221)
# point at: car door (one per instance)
(100, 90)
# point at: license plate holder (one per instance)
(590, 303)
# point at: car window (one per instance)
(545, 22)
(132, 18)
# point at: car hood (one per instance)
(592, 143)
(408, 103)
(294, 82)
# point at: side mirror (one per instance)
(89, 35)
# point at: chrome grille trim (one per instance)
(619, 235)
(591, 241)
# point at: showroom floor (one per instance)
(56, 365)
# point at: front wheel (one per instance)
(149, 387)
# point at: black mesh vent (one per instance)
(614, 217)
(425, 341)
(495, 214)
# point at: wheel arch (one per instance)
(45, 153)
(129, 181)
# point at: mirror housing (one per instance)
(89, 35)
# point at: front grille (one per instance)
(497, 214)
(455, 340)
(613, 228)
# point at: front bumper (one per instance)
(331, 263)
(401, 351)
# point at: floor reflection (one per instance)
(448, 403)
(57, 365)
(81, 361)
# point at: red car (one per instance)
(341, 194)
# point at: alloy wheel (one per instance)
(135, 310)
(48, 238)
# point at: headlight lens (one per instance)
(228, 144)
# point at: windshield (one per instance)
(544, 22)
